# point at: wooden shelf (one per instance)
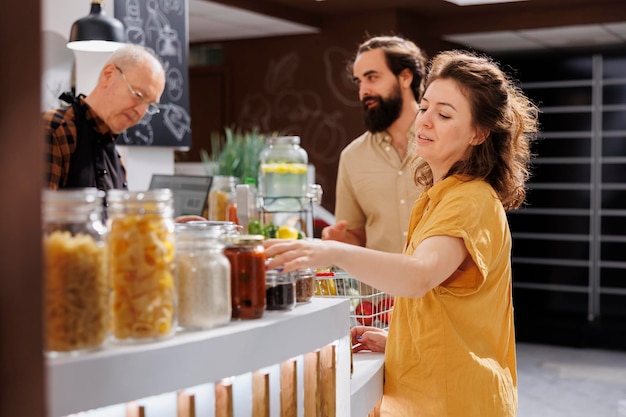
(117, 374)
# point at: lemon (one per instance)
(287, 232)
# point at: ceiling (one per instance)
(556, 24)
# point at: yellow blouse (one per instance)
(452, 352)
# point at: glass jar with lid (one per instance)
(203, 276)
(141, 264)
(76, 295)
(280, 289)
(226, 228)
(305, 285)
(222, 198)
(247, 279)
(283, 174)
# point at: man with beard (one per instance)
(375, 188)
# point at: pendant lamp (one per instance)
(96, 32)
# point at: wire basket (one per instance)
(368, 306)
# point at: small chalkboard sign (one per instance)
(162, 26)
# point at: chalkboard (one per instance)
(162, 26)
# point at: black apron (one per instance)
(95, 162)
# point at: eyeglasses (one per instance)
(152, 108)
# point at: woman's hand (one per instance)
(368, 338)
(301, 253)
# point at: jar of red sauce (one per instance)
(247, 261)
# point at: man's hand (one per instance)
(339, 232)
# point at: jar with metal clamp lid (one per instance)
(203, 275)
(141, 264)
(76, 294)
(247, 264)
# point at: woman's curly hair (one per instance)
(504, 111)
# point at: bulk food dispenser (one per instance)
(282, 204)
(284, 198)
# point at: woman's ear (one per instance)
(480, 135)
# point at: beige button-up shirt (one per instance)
(376, 191)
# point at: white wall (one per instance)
(57, 18)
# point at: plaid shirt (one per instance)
(61, 137)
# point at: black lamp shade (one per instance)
(95, 31)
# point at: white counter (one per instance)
(117, 374)
(366, 385)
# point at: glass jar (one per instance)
(76, 291)
(226, 228)
(247, 279)
(283, 171)
(203, 276)
(141, 264)
(222, 198)
(305, 285)
(280, 289)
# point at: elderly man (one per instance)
(80, 139)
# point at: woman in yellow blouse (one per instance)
(450, 349)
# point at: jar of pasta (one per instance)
(141, 264)
(222, 198)
(247, 279)
(76, 290)
(203, 274)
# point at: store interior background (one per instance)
(242, 75)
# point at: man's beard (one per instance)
(381, 116)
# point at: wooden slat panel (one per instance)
(135, 410)
(223, 399)
(260, 394)
(186, 405)
(288, 389)
(328, 370)
(312, 384)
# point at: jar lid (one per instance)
(66, 202)
(275, 140)
(157, 195)
(245, 239)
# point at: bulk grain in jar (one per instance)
(141, 264)
(76, 295)
(247, 264)
(203, 274)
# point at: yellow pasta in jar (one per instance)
(76, 292)
(141, 264)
